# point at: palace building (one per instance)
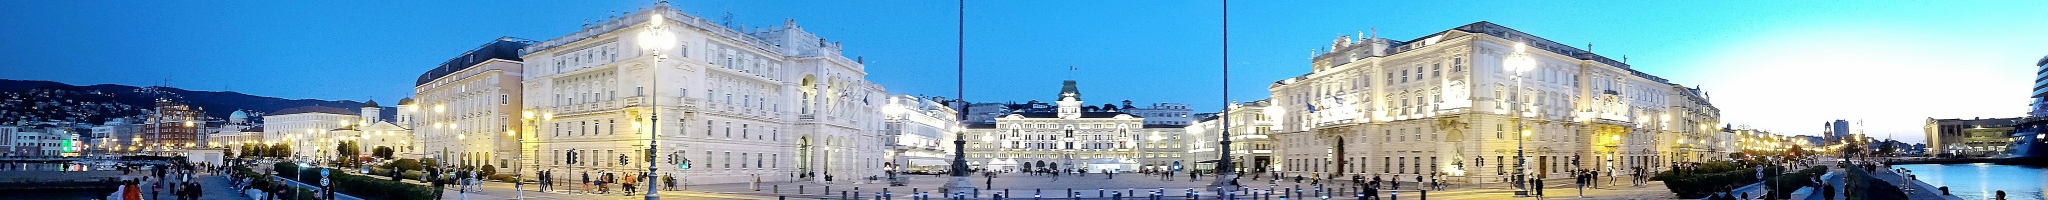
(1479, 102)
(1069, 135)
(774, 103)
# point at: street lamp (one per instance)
(520, 183)
(1519, 62)
(655, 39)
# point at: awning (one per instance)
(927, 162)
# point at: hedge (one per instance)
(363, 186)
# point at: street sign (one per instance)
(323, 172)
(323, 181)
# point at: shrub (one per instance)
(412, 175)
(367, 187)
(285, 169)
(488, 170)
(500, 177)
(405, 164)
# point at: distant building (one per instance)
(919, 133)
(1251, 143)
(1836, 130)
(309, 131)
(1810, 141)
(1977, 137)
(1161, 113)
(171, 127)
(1074, 136)
(472, 106)
(237, 131)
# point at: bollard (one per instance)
(1098, 193)
(842, 194)
(1361, 196)
(886, 195)
(1394, 195)
(1424, 195)
(781, 197)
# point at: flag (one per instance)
(1311, 107)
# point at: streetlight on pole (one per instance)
(1519, 62)
(1226, 170)
(655, 39)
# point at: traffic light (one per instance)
(622, 159)
(572, 156)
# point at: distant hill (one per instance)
(46, 100)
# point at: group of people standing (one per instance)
(178, 174)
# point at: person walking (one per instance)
(586, 182)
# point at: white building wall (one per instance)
(772, 105)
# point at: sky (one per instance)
(1785, 66)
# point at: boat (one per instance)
(2029, 144)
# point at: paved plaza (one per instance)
(1024, 186)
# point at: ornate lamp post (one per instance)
(1520, 62)
(655, 39)
(959, 168)
(1226, 170)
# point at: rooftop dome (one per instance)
(371, 104)
(405, 101)
(238, 115)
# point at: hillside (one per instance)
(30, 100)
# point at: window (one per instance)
(504, 99)
(1404, 76)
(707, 127)
(1457, 63)
(1436, 70)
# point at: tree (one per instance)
(404, 164)
(281, 150)
(347, 151)
(381, 152)
(1886, 147)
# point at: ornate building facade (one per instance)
(466, 111)
(774, 104)
(1470, 101)
(1068, 135)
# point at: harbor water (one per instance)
(1981, 180)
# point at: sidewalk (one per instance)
(1918, 190)
(217, 187)
(337, 195)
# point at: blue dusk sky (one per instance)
(1786, 66)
